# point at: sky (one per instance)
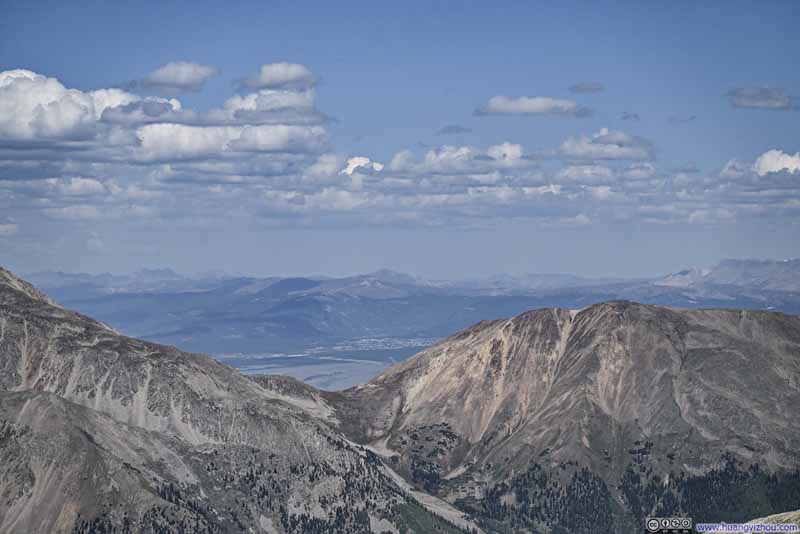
(443, 139)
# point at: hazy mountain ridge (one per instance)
(104, 433)
(232, 314)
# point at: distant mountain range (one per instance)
(556, 421)
(218, 313)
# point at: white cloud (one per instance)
(734, 169)
(78, 186)
(639, 171)
(180, 76)
(360, 162)
(760, 97)
(33, 106)
(162, 142)
(606, 144)
(505, 151)
(589, 174)
(713, 215)
(531, 105)
(281, 75)
(776, 161)
(77, 212)
(280, 138)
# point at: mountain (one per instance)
(783, 275)
(556, 421)
(591, 420)
(104, 433)
(215, 313)
(770, 275)
(336, 332)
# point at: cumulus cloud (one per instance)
(777, 161)
(270, 106)
(760, 98)
(587, 87)
(532, 105)
(639, 171)
(589, 174)
(281, 75)
(33, 107)
(179, 76)
(77, 156)
(734, 169)
(453, 129)
(606, 144)
(360, 163)
(165, 142)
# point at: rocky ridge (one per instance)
(104, 433)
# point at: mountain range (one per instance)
(335, 332)
(557, 421)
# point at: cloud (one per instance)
(587, 87)
(78, 186)
(360, 162)
(179, 76)
(166, 142)
(281, 76)
(78, 212)
(629, 116)
(776, 161)
(606, 144)
(33, 106)
(588, 174)
(453, 129)
(734, 169)
(760, 98)
(639, 171)
(532, 105)
(113, 156)
(8, 229)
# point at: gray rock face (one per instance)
(104, 433)
(615, 387)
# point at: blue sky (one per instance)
(685, 152)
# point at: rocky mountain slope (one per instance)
(104, 433)
(589, 419)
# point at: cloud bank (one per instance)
(264, 155)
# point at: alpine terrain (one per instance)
(590, 421)
(556, 421)
(100, 433)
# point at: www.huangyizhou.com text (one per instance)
(726, 528)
